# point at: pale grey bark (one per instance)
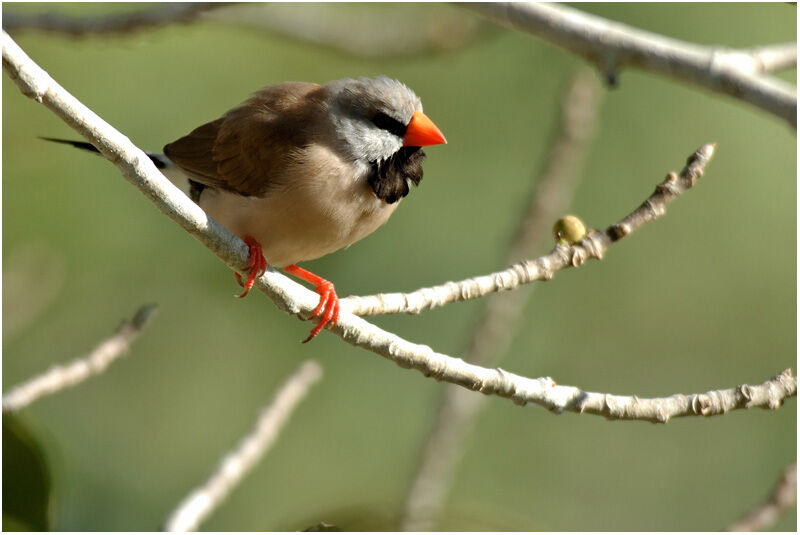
(612, 46)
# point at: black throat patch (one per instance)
(389, 179)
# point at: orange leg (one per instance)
(257, 264)
(328, 300)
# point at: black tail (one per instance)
(77, 144)
(85, 145)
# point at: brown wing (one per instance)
(249, 149)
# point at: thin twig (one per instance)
(783, 497)
(553, 190)
(543, 268)
(117, 23)
(289, 296)
(612, 46)
(60, 377)
(200, 503)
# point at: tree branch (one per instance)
(544, 268)
(196, 507)
(783, 497)
(117, 23)
(60, 377)
(140, 171)
(611, 46)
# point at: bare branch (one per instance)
(543, 268)
(138, 169)
(196, 507)
(612, 46)
(783, 497)
(60, 377)
(118, 23)
(553, 190)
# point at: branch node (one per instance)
(662, 416)
(746, 393)
(619, 231)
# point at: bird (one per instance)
(300, 170)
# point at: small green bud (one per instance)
(569, 230)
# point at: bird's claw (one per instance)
(328, 308)
(257, 265)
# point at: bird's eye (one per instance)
(383, 121)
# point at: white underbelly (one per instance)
(294, 225)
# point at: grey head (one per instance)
(370, 116)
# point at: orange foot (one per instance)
(257, 265)
(328, 307)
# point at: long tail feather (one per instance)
(158, 159)
(77, 144)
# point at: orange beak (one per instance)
(421, 132)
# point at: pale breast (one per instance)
(326, 206)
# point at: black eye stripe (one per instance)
(383, 121)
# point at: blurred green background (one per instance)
(702, 299)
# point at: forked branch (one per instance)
(543, 268)
(138, 169)
(612, 46)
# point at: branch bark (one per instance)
(196, 507)
(60, 377)
(140, 171)
(611, 46)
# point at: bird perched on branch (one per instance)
(301, 170)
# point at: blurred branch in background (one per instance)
(543, 268)
(289, 296)
(611, 46)
(33, 275)
(77, 371)
(783, 497)
(360, 32)
(117, 23)
(238, 463)
(551, 195)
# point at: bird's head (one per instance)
(376, 117)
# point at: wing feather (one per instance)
(251, 147)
